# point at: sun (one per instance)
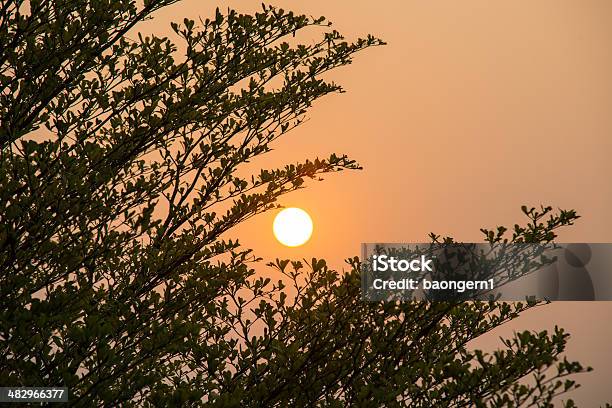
(292, 227)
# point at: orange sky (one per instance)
(471, 110)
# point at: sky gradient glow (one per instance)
(470, 111)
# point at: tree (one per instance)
(118, 176)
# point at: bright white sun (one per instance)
(292, 227)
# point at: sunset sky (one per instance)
(471, 110)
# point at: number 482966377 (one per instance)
(43, 394)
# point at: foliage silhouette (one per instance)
(118, 178)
